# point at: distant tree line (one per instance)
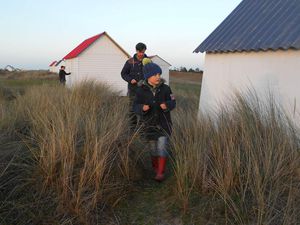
(184, 69)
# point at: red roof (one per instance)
(53, 63)
(84, 45)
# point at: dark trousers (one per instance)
(63, 82)
(133, 120)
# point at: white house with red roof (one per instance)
(52, 66)
(98, 58)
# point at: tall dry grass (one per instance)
(246, 155)
(28, 75)
(72, 158)
(79, 146)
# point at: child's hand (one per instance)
(146, 108)
(163, 106)
(133, 81)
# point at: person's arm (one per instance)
(65, 73)
(125, 73)
(170, 101)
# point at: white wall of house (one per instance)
(52, 69)
(72, 67)
(164, 67)
(102, 61)
(275, 71)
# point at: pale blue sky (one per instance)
(34, 33)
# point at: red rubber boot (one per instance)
(160, 176)
(154, 160)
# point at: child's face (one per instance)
(154, 79)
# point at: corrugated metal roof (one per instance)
(257, 25)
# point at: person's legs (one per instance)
(154, 154)
(63, 82)
(162, 159)
(132, 116)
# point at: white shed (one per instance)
(10, 68)
(256, 46)
(98, 58)
(52, 67)
(165, 66)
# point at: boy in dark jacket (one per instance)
(132, 73)
(153, 102)
(62, 75)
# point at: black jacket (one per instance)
(133, 69)
(62, 75)
(157, 122)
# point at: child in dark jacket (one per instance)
(153, 102)
(62, 75)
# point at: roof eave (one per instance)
(161, 59)
(250, 50)
(109, 37)
(100, 35)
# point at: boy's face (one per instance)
(140, 54)
(154, 79)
